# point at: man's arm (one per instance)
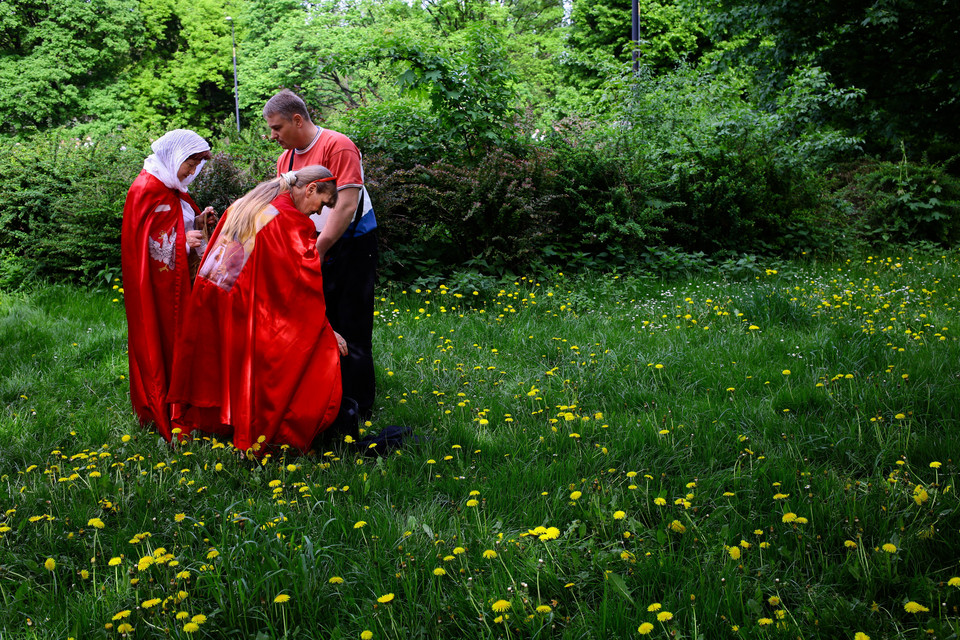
(339, 219)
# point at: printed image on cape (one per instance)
(156, 285)
(261, 358)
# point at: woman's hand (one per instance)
(341, 343)
(194, 239)
(208, 215)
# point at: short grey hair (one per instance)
(286, 104)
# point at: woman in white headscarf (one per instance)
(159, 234)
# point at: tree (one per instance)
(56, 56)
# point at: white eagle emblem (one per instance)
(164, 250)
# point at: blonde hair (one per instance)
(241, 218)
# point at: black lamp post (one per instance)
(635, 36)
(236, 94)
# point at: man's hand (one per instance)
(194, 239)
(341, 343)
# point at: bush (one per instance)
(901, 202)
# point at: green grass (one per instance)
(653, 425)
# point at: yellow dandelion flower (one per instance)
(850, 544)
(774, 601)
(656, 606)
(500, 606)
(123, 614)
(489, 554)
(664, 616)
(439, 571)
(544, 609)
(860, 635)
(191, 627)
(198, 619)
(384, 599)
(50, 564)
(786, 372)
(180, 517)
(360, 524)
(734, 552)
(458, 550)
(915, 607)
(575, 495)
(935, 465)
(472, 502)
(96, 523)
(182, 615)
(280, 599)
(366, 634)
(764, 621)
(677, 527)
(899, 416)
(954, 582)
(660, 502)
(889, 547)
(645, 628)
(152, 602)
(183, 575)
(213, 553)
(126, 627)
(789, 517)
(619, 515)
(335, 580)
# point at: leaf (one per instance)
(620, 586)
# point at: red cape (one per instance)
(156, 284)
(261, 359)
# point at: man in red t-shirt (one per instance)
(347, 241)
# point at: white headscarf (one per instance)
(170, 151)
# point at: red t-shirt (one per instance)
(333, 150)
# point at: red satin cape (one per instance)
(156, 285)
(261, 360)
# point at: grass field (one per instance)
(599, 457)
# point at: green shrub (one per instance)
(902, 202)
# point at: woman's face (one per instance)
(188, 167)
(314, 199)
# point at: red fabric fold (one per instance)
(261, 359)
(156, 284)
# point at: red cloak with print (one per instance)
(156, 285)
(261, 360)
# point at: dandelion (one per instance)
(915, 607)
(789, 517)
(335, 580)
(544, 609)
(954, 582)
(384, 599)
(501, 605)
(366, 634)
(458, 550)
(152, 602)
(850, 544)
(786, 372)
(472, 502)
(619, 515)
(660, 502)
(198, 619)
(677, 527)
(575, 495)
(734, 552)
(191, 627)
(126, 627)
(889, 547)
(360, 524)
(899, 416)
(50, 564)
(213, 553)
(489, 554)
(860, 635)
(935, 465)
(774, 601)
(282, 598)
(765, 621)
(180, 517)
(656, 606)
(96, 523)
(182, 615)
(645, 628)
(664, 616)
(439, 571)
(123, 614)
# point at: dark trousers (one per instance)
(349, 272)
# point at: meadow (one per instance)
(604, 456)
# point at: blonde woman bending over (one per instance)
(270, 373)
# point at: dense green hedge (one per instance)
(705, 176)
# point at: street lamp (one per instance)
(635, 36)
(236, 93)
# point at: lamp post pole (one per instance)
(635, 32)
(236, 94)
